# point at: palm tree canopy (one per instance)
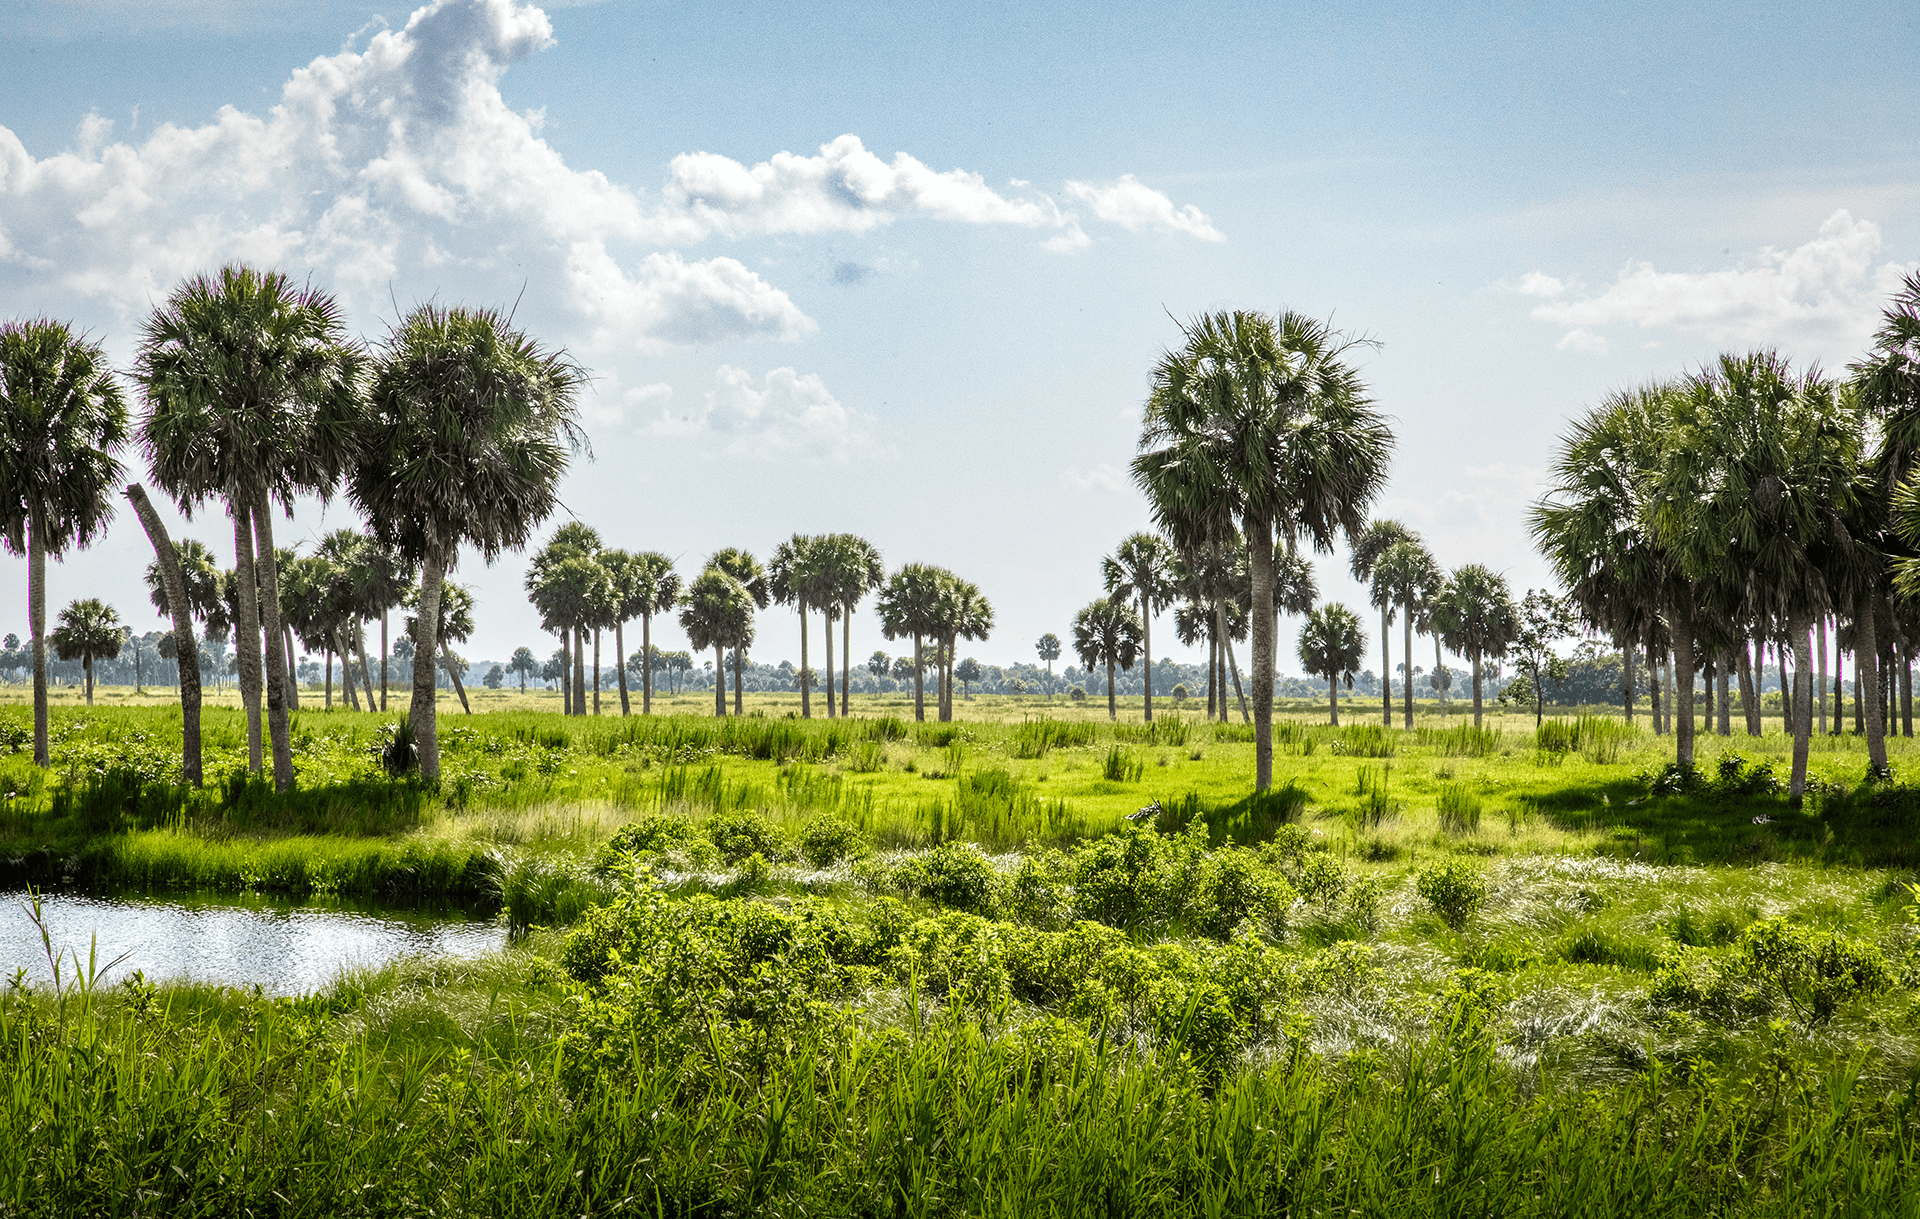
(1888, 379)
(1107, 632)
(250, 382)
(571, 592)
(1370, 543)
(1294, 588)
(851, 566)
(456, 612)
(1332, 643)
(743, 567)
(1406, 575)
(468, 430)
(909, 599)
(200, 572)
(640, 584)
(1475, 615)
(89, 630)
(717, 611)
(62, 417)
(1140, 568)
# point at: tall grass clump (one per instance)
(1365, 741)
(1460, 741)
(1035, 738)
(1167, 730)
(1459, 808)
(1376, 804)
(1602, 738)
(1123, 766)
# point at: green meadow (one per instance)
(869, 965)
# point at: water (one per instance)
(283, 948)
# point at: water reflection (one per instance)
(284, 948)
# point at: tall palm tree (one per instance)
(1107, 632)
(380, 580)
(852, 569)
(1475, 616)
(1366, 548)
(169, 586)
(571, 590)
(89, 630)
(1407, 575)
(1140, 568)
(1332, 645)
(791, 575)
(1213, 576)
(717, 613)
(656, 588)
(456, 626)
(306, 604)
(907, 607)
(469, 428)
(253, 390)
(61, 419)
(960, 612)
(630, 591)
(1264, 420)
(346, 553)
(746, 569)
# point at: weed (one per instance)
(1123, 766)
(1454, 890)
(1459, 808)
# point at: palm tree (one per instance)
(168, 586)
(1141, 567)
(718, 613)
(524, 664)
(960, 612)
(1475, 615)
(1049, 651)
(655, 588)
(1107, 632)
(252, 390)
(1367, 547)
(743, 567)
(306, 605)
(1262, 420)
(791, 575)
(907, 603)
(61, 419)
(1407, 576)
(1332, 645)
(380, 579)
(571, 590)
(1212, 576)
(345, 552)
(456, 626)
(468, 431)
(633, 586)
(89, 630)
(852, 569)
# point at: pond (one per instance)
(284, 948)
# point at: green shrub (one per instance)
(867, 757)
(1240, 888)
(958, 875)
(825, 841)
(652, 834)
(1123, 879)
(739, 833)
(1454, 890)
(1321, 879)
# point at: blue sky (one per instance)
(931, 320)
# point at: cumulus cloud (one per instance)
(1827, 291)
(784, 414)
(1133, 206)
(1103, 477)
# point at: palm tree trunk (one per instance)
(1839, 686)
(827, 631)
(185, 647)
(806, 679)
(719, 681)
(579, 670)
(1653, 691)
(846, 656)
(1799, 631)
(739, 661)
(1626, 684)
(1726, 709)
(620, 665)
(1476, 689)
(1233, 667)
(1749, 690)
(566, 671)
(328, 652)
(346, 668)
(1213, 671)
(86, 668)
(1113, 706)
(453, 675)
(1820, 671)
(1439, 693)
(1406, 652)
(596, 670)
(247, 630)
(386, 650)
(1386, 668)
(646, 665)
(919, 681)
(293, 670)
(1906, 693)
(278, 735)
(1146, 648)
(1866, 671)
(359, 639)
(426, 625)
(1333, 701)
(1259, 534)
(1680, 621)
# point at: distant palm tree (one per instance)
(907, 608)
(1261, 420)
(345, 552)
(960, 612)
(456, 626)
(1333, 645)
(656, 589)
(1366, 548)
(571, 590)
(1475, 615)
(630, 587)
(306, 605)
(1407, 575)
(791, 575)
(524, 664)
(61, 419)
(89, 630)
(1141, 568)
(746, 569)
(253, 391)
(468, 431)
(717, 613)
(1049, 651)
(852, 568)
(1107, 633)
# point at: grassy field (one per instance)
(869, 965)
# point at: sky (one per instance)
(904, 270)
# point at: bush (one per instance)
(825, 841)
(653, 834)
(1078, 694)
(957, 874)
(1454, 890)
(736, 835)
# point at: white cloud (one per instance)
(1103, 477)
(786, 414)
(1582, 339)
(1827, 292)
(1133, 206)
(1533, 283)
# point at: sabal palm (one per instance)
(252, 389)
(571, 590)
(1475, 617)
(908, 603)
(1332, 645)
(456, 626)
(577, 540)
(717, 613)
(1107, 632)
(1140, 569)
(344, 552)
(62, 417)
(1365, 551)
(852, 569)
(468, 430)
(89, 630)
(793, 577)
(640, 586)
(746, 569)
(1261, 419)
(961, 611)
(1407, 576)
